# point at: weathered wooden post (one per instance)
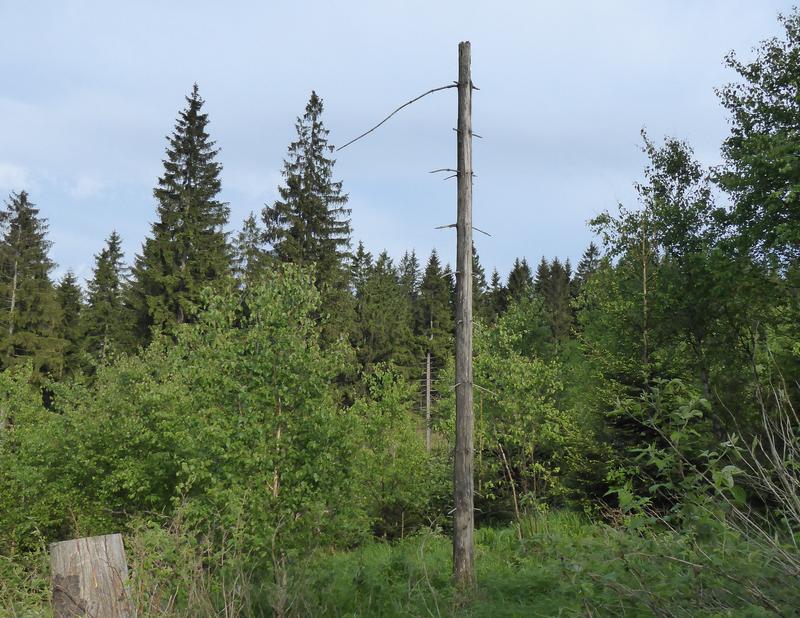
(463, 482)
(428, 394)
(89, 577)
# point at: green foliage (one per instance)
(670, 468)
(404, 486)
(249, 255)
(761, 170)
(525, 445)
(30, 313)
(310, 224)
(188, 248)
(494, 301)
(70, 301)
(384, 329)
(434, 319)
(36, 496)
(520, 280)
(105, 331)
(562, 566)
(243, 395)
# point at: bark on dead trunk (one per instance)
(89, 578)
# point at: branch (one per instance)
(394, 112)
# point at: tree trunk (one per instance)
(13, 299)
(428, 404)
(89, 578)
(463, 481)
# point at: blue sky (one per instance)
(90, 89)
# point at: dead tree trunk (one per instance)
(89, 578)
(463, 482)
(428, 404)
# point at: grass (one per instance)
(555, 564)
(562, 566)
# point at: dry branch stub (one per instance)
(89, 577)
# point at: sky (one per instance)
(91, 89)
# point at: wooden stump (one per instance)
(88, 578)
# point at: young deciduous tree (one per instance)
(762, 170)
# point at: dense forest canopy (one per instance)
(261, 394)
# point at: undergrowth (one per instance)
(553, 564)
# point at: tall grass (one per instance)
(564, 565)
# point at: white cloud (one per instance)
(13, 178)
(253, 184)
(85, 187)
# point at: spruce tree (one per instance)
(589, 263)
(104, 319)
(249, 254)
(310, 224)
(435, 310)
(478, 284)
(384, 331)
(30, 313)
(520, 281)
(188, 248)
(70, 300)
(410, 275)
(496, 298)
(557, 298)
(542, 278)
(360, 268)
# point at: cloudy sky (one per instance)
(90, 89)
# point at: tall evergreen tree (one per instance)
(70, 300)
(410, 275)
(557, 297)
(360, 268)
(385, 325)
(435, 309)
(249, 254)
(310, 224)
(497, 300)
(520, 281)
(589, 263)
(104, 319)
(188, 248)
(30, 313)
(478, 283)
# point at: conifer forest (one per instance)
(265, 410)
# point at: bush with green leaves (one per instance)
(526, 445)
(404, 486)
(234, 414)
